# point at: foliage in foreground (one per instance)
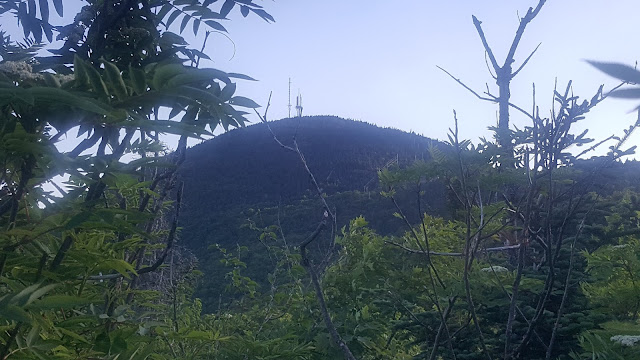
(95, 272)
(533, 263)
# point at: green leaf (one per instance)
(118, 343)
(46, 96)
(204, 97)
(626, 93)
(264, 15)
(244, 102)
(164, 10)
(24, 293)
(73, 335)
(32, 8)
(118, 265)
(190, 115)
(80, 71)
(215, 25)
(51, 80)
(39, 293)
(191, 75)
(33, 335)
(241, 76)
(115, 80)
(227, 92)
(48, 30)
(102, 342)
(138, 80)
(58, 302)
(169, 38)
(178, 128)
(58, 5)
(19, 232)
(164, 73)
(96, 81)
(15, 313)
(226, 7)
(183, 24)
(618, 71)
(196, 26)
(44, 10)
(174, 15)
(199, 335)
(77, 220)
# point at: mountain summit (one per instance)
(245, 176)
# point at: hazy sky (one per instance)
(375, 61)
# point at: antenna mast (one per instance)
(299, 104)
(289, 97)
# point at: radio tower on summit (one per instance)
(299, 104)
(289, 106)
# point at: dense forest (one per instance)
(265, 186)
(304, 238)
(346, 155)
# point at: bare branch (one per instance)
(504, 290)
(441, 328)
(554, 332)
(512, 304)
(531, 13)
(530, 116)
(305, 260)
(486, 61)
(296, 149)
(263, 118)
(468, 259)
(526, 61)
(504, 74)
(487, 48)
(417, 239)
(319, 294)
(165, 252)
(593, 147)
(604, 96)
(455, 254)
(468, 88)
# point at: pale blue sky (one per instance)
(375, 61)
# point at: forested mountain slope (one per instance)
(247, 167)
(242, 181)
(244, 176)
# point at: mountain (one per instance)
(244, 177)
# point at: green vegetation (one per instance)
(265, 186)
(336, 239)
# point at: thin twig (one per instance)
(319, 294)
(468, 239)
(328, 213)
(526, 61)
(168, 246)
(565, 294)
(453, 254)
(443, 326)
(494, 100)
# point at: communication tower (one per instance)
(289, 106)
(299, 104)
